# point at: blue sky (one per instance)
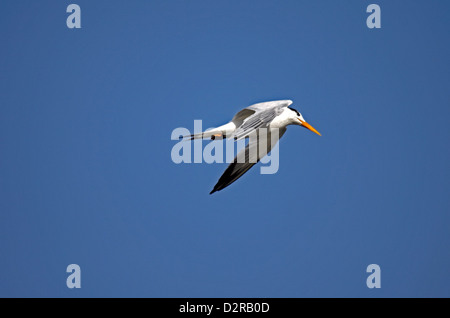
(86, 175)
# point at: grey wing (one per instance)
(260, 119)
(265, 111)
(248, 157)
(242, 115)
(269, 105)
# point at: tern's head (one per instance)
(298, 119)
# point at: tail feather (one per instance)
(203, 135)
(219, 132)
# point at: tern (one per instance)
(267, 117)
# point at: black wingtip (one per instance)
(213, 190)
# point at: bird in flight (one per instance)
(251, 122)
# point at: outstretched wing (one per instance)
(263, 114)
(242, 115)
(272, 104)
(256, 149)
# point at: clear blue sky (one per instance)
(86, 175)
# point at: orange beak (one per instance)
(306, 125)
